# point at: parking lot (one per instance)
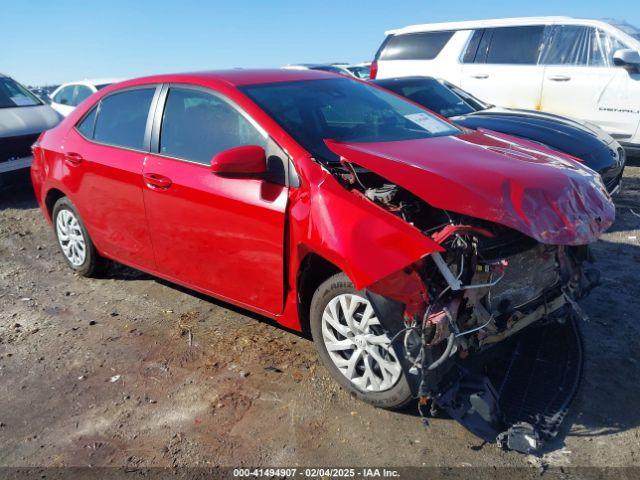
(128, 370)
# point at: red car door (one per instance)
(222, 235)
(104, 157)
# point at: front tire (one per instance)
(353, 346)
(74, 240)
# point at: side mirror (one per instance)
(245, 160)
(626, 57)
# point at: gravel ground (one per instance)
(128, 370)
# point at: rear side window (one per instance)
(510, 45)
(196, 125)
(415, 46)
(122, 118)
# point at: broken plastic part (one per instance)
(473, 401)
(404, 286)
(521, 437)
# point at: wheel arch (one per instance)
(53, 195)
(313, 270)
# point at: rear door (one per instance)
(222, 235)
(500, 66)
(104, 158)
(581, 80)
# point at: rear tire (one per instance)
(353, 346)
(74, 240)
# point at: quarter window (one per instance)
(197, 125)
(415, 46)
(86, 125)
(122, 118)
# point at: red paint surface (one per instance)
(244, 239)
(549, 197)
(248, 159)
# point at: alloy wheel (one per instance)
(357, 344)
(70, 237)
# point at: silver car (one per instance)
(23, 117)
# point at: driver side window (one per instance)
(196, 125)
(580, 45)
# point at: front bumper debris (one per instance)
(516, 392)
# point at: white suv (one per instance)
(586, 69)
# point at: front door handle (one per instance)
(559, 78)
(156, 181)
(480, 76)
(73, 158)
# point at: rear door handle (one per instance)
(156, 181)
(73, 158)
(559, 78)
(480, 76)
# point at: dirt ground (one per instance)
(128, 370)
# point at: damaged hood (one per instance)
(544, 194)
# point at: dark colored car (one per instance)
(587, 142)
(23, 117)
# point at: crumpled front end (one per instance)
(451, 312)
(481, 298)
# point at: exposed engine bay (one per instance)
(450, 309)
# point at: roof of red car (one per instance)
(239, 77)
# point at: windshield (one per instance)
(626, 27)
(12, 95)
(343, 110)
(476, 103)
(431, 94)
(103, 85)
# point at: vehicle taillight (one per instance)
(373, 73)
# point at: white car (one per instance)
(586, 69)
(325, 67)
(69, 95)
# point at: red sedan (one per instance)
(401, 242)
